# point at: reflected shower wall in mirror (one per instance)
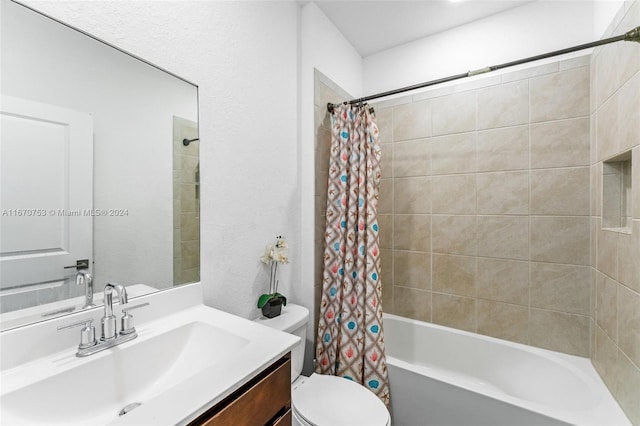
(186, 201)
(122, 189)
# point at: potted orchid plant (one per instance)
(274, 254)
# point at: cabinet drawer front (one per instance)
(259, 403)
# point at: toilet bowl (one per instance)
(321, 400)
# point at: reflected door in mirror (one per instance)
(47, 195)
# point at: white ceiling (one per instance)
(375, 25)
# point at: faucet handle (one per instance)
(87, 334)
(126, 323)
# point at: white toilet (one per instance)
(321, 400)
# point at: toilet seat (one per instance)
(322, 400)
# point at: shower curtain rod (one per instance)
(633, 35)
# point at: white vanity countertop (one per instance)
(169, 402)
(187, 400)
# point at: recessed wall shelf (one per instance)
(616, 193)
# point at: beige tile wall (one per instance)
(485, 206)
(615, 316)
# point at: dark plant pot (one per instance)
(272, 308)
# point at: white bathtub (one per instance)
(442, 376)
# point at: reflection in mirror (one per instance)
(186, 201)
(97, 185)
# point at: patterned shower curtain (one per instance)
(350, 339)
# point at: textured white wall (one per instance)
(324, 47)
(604, 13)
(528, 30)
(243, 56)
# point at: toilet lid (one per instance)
(330, 400)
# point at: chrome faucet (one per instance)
(109, 320)
(110, 337)
(84, 277)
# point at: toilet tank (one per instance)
(293, 320)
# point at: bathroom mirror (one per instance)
(100, 170)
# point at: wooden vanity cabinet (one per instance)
(264, 400)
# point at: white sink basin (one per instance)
(127, 374)
(181, 363)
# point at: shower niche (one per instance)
(616, 193)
